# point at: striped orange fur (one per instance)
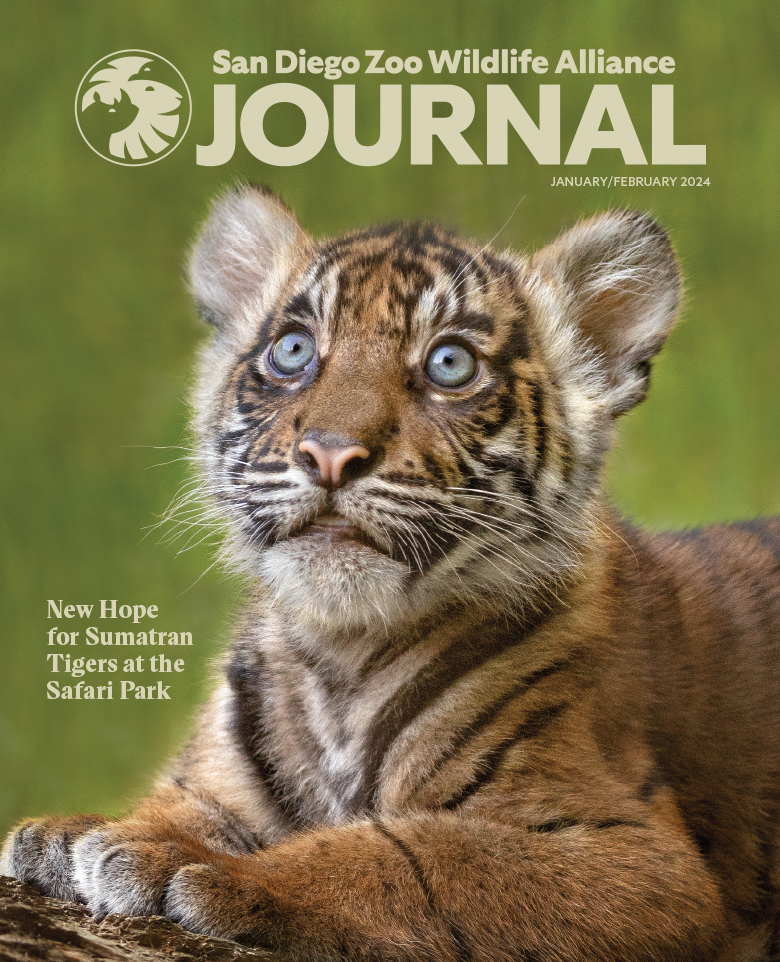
(468, 714)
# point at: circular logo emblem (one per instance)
(133, 107)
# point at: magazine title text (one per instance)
(443, 112)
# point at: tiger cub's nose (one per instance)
(333, 463)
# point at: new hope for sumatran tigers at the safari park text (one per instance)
(62, 660)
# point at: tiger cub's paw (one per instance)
(40, 852)
(228, 901)
(125, 868)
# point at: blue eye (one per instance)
(450, 365)
(293, 352)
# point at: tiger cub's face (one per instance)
(400, 416)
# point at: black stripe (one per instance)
(248, 387)
(567, 457)
(248, 683)
(411, 480)
(265, 329)
(773, 951)
(477, 269)
(476, 321)
(383, 656)
(261, 446)
(227, 439)
(537, 405)
(515, 466)
(339, 302)
(533, 725)
(270, 485)
(422, 545)
(434, 468)
(502, 408)
(463, 953)
(561, 824)
(468, 432)
(409, 302)
(395, 646)
(411, 270)
(519, 345)
(419, 693)
(364, 263)
(340, 690)
(268, 467)
(300, 307)
(231, 826)
(456, 456)
(490, 712)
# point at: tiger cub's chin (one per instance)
(332, 587)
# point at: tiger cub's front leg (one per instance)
(448, 888)
(124, 866)
(434, 886)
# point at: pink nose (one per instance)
(330, 461)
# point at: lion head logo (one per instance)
(133, 107)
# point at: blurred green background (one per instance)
(98, 335)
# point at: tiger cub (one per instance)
(469, 714)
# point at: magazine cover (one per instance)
(190, 201)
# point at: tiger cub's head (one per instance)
(399, 416)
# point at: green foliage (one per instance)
(99, 336)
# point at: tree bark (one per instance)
(33, 927)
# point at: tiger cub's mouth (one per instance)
(334, 529)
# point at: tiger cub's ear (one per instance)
(613, 279)
(246, 250)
